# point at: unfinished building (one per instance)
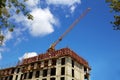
(63, 64)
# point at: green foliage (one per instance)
(115, 7)
(29, 16)
(5, 6)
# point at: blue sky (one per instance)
(93, 37)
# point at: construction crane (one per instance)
(52, 47)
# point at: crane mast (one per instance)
(52, 47)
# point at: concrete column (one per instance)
(49, 62)
(69, 61)
(68, 69)
(58, 69)
(88, 71)
(19, 75)
(27, 75)
(33, 76)
(41, 74)
(42, 64)
(14, 76)
(48, 72)
(35, 65)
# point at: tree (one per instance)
(115, 7)
(7, 9)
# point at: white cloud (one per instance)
(42, 23)
(19, 30)
(0, 56)
(18, 33)
(19, 18)
(28, 55)
(70, 3)
(3, 49)
(72, 9)
(63, 2)
(32, 2)
(20, 39)
(8, 35)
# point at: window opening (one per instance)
(85, 69)
(6, 78)
(62, 78)
(63, 61)
(53, 71)
(11, 77)
(46, 63)
(63, 71)
(52, 79)
(72, 63)
(37, 74)
(21, 78)
(53, 61)
(72, 73)
(13, 71)
(45, 72)
(32, 64)
(30, 75)
(25, 75)
(18, 70)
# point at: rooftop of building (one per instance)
(56, 54)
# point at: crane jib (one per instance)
(52, 47)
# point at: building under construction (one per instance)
(63, 64)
